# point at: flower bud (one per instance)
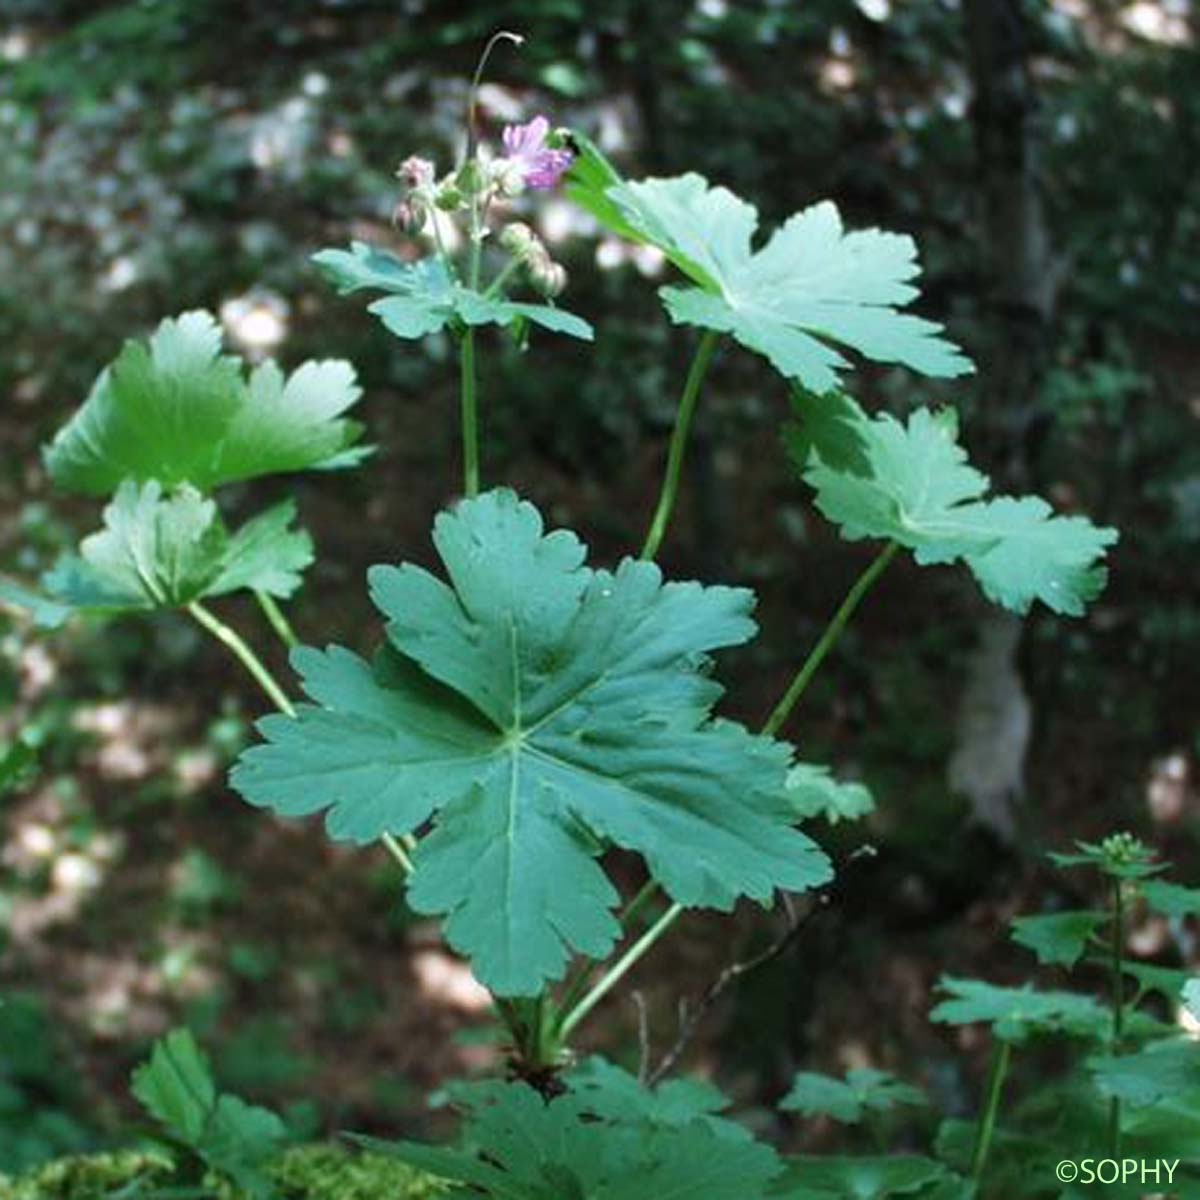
(470, 179)
(517, 238)
(415, 172)
(409, 215)
(448, 198)
(547, 276)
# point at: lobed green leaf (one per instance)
(815, 792)
(810, 285)
(423, 298)
(1016, 1014)
(920, 491)
(1058, 938)
(518, 1146)
(539, 710)
(176, 410)
(863, 1090)
(165, 551)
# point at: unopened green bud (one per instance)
(547, 276)
(470, 178)
(448, 198)
(517, 239)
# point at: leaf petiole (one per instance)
(233, 640)
(618, 971)
(470, 414)
(679, 436)
(276, 619)
(854, 597)
(576, 1009)
(401, 849)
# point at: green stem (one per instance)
(1118, 1008)
(618, 971)
(501, 35)
(679, 436)
(470, 415)
(576, 1009)
(634, 908)
(829, 638)
(987, 1123)
(502, 277)
(578, 986)
(277, 620)
(229, 637)
(400, 850)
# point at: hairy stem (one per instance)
(829, 638)
(230, 638)
(679, 436)
(987, 1122)
(470, 415)
(277, 620)
(618, 971)
(1118, 1008)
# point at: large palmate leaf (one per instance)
(177, 410)
(422, 297)
(864, 1090)
(158, 551)
(810, 285)
(1018, 1013)
(542, 710)
(921, 492)
(176, 1088)
(519, 1147)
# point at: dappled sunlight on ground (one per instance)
(447, 980)
(1170, 794)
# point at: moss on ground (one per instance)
(319, 1172)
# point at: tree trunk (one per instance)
(1018, 273)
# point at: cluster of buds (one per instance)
(534, 157)
(547, 276)
(1123, 849)
(416, 177)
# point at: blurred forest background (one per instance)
(171, 154)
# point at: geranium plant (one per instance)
(526, 711)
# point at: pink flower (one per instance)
(539, 165)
